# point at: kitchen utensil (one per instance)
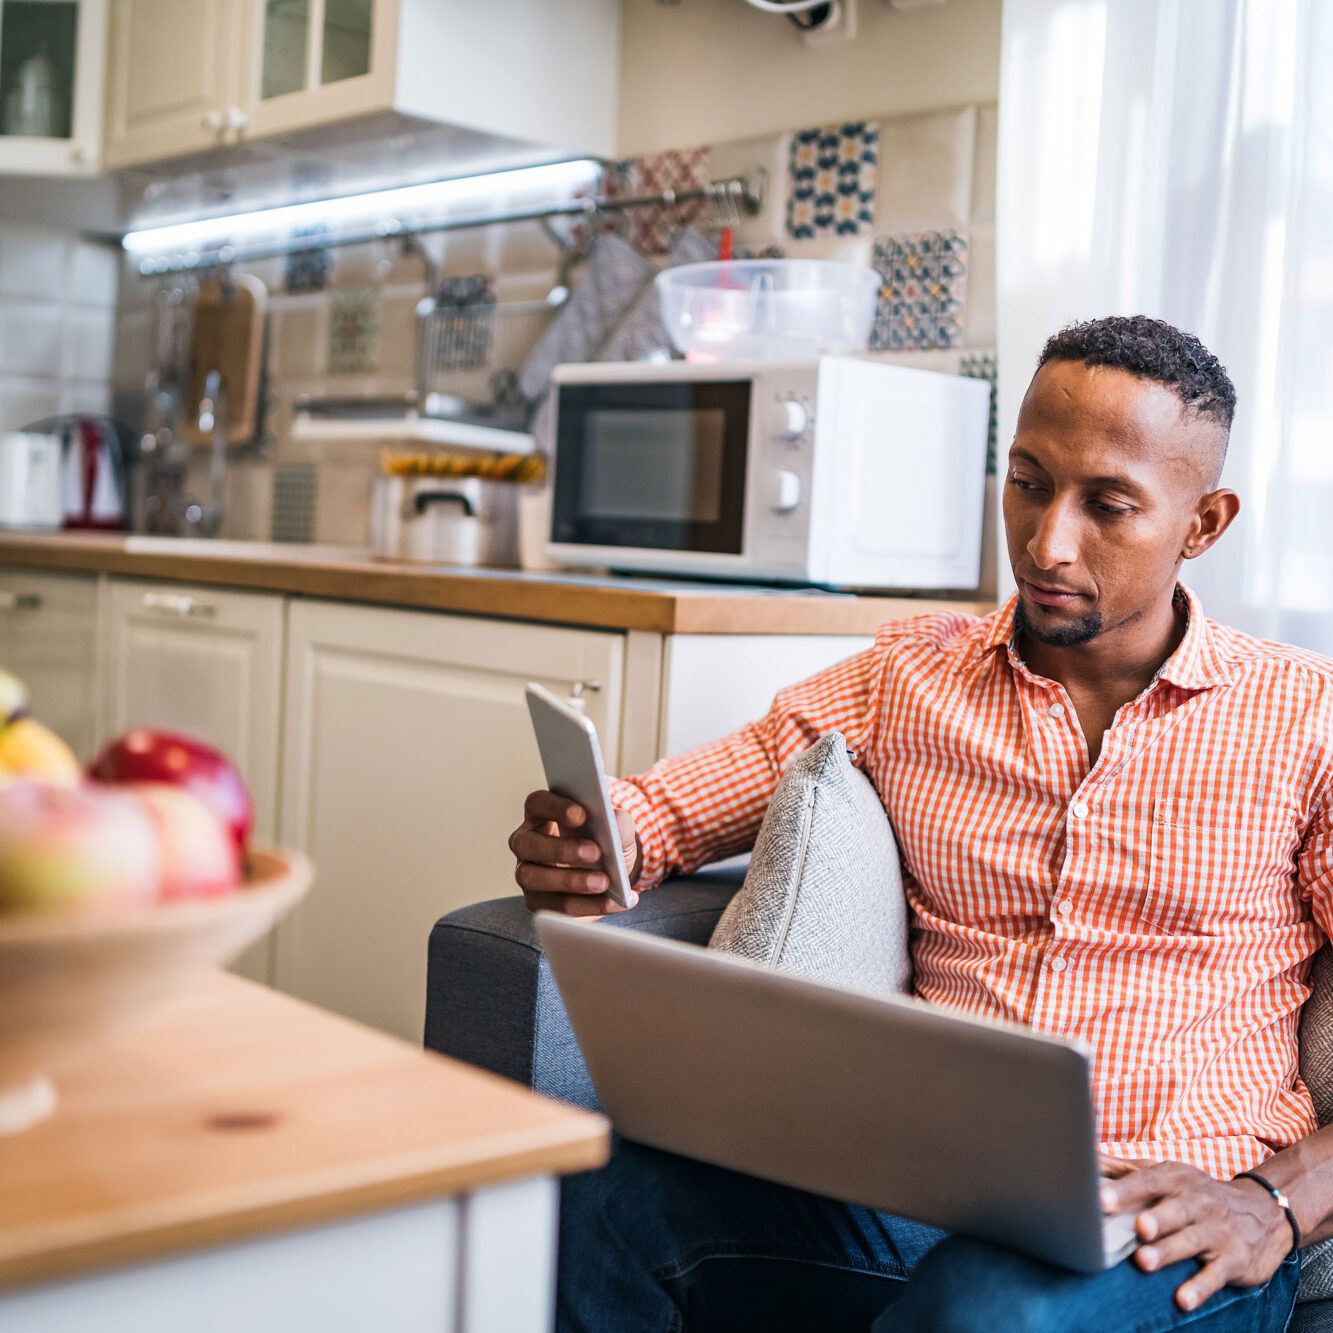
(450, 509)
(466, 345)
(32, 108)
(767, 309)
(30, 480)
(92, 474)
(67, 983)
(227, 340)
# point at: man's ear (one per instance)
(1214, 516)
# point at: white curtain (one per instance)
(1175, 158)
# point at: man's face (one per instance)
(1102, 495)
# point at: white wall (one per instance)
(703, 71)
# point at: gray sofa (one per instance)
(491, 999)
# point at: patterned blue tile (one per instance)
(354, 331)
(923, 285)
(982, 366)
(309, 270)
(831, 180)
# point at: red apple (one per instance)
(75, 846)
(200, 858)
(182, 761)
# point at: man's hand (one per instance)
(1234, 1228)
(561, 871)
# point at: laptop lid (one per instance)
(886, 1102)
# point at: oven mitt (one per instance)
(640, 333)
(616, 274)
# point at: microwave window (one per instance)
(653, 464)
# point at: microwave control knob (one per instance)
(795, 418)
(786, 491)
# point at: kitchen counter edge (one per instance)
(346, 574)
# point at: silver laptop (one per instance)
(888, 1102)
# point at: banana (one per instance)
(13, 698)
(30, 750)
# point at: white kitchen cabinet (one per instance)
(48, 638)
(185, 77)
(407, 752)
(52, 59)
(207, 662)
(172, 77)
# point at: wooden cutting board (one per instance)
(228, 336)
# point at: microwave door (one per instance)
(652, 466)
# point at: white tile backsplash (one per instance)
(33, 262)
(85, 396)
(979, 313)
(93, 276)
(983, 175)
(29, 337)
(925, 171)
(57, 323)
(88, 344)
(23, 401)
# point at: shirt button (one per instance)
(1064, 907)
(1056, 710)
(1058, 965)
(1079, 809)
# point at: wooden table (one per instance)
(244, 1161)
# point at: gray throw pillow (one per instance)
(1316, 1066)
(823, 897)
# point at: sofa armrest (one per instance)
(490, 996)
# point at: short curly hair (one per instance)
(1152, 349)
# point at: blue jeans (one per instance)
(658, 1243)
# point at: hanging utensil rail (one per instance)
(744, 193)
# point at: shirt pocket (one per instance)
(1219, 867)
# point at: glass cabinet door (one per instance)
(346, 45)
(38, 65)
(307, 44)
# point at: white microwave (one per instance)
(837, 471)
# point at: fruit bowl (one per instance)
(68, 982)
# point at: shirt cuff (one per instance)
(626, 795)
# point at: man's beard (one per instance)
(1083, 630)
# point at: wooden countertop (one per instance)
(351, 574)
(236, 1110)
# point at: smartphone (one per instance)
(573, 763)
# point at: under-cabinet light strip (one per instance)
(383, 212)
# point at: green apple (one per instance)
(67, 847)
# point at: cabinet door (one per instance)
(48, 638)
(173, 75)
(407, 752)
(311, 62)
(208, 663)
(52, 56)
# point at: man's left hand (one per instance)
(1234, 1228)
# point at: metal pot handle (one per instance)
(423, 499)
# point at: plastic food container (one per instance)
(767, 309)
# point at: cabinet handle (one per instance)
(581, 687)
(236, 119)
(177, 604)
(20, 601)
(213, 121)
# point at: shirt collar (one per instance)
(1197, 663)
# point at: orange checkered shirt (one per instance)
(1161, 908)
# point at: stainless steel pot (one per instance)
(445, 520)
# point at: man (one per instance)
(1116, 825)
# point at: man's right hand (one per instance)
(559, 868)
